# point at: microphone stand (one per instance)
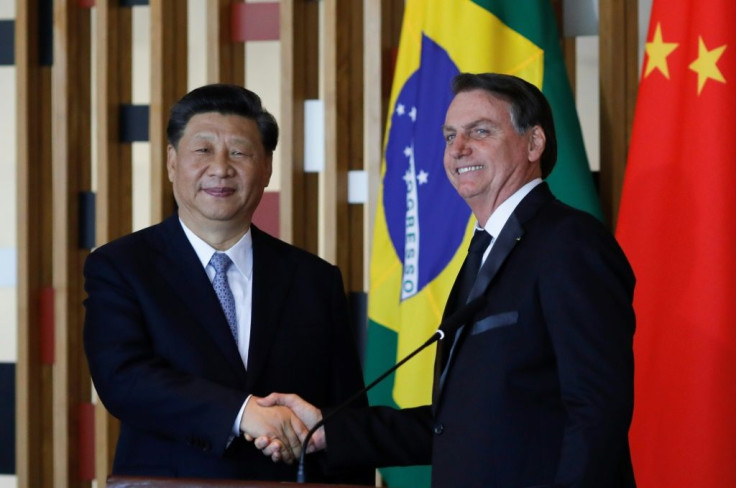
(451, 325)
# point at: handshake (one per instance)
(278, 424)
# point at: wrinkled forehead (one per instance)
(469, 106)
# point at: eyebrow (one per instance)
(209, 136)
(470, 125)
(203, 135)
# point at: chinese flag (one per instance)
(677, 225)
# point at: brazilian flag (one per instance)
(422, 226)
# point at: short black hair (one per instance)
(227, 100)
(529, 107)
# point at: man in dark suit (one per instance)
(185, 320)
(537, 389)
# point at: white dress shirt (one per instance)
(501, 215)
(240, 279)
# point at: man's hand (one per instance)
(283, 429)
(306, 412)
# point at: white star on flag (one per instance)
(400, 109)
(422, 177)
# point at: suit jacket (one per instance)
(539, 389)
(164, 362)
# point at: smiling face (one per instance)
(219, 170)
(486, 159)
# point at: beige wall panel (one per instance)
(141, 96)
(198, 51)
(141, 55)
(8, 161)
(587, 94)
(263, 75)
(7, 9)
(9, 314)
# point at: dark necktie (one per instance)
(466, 278)
(478, 244)
(221, 262)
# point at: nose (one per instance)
(220, 165)
(459, 147)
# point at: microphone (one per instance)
(447, 328)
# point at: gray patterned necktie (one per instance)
(221, 262)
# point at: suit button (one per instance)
(438, 429)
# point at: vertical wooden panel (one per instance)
(168, 84)
(354, 151)
(71, 175)
(382, 28)
(334, 196)
(34, 461)
(618, 79)
(299, 82)
(225, 58)
(343, 83)
(113, 38)
(569, 53)
(288, 121)
(113, 82)
(567, 44)
(372, 123)
(343, 79)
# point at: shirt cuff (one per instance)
(236, 427)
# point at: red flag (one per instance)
(677, 225)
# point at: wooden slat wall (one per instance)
(225, 59)
(168, 84)
(113, 38)
(372, 122)
(381, 32)
(341, 51)
(71, 158)
(566, 43)
(618, 34)
(299, 195)
(33, 376)
(343, 78)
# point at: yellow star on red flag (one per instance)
(706, 64)
(657, 52)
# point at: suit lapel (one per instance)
(503, 246)
(183, 271)
(506, 241)
(272, 278)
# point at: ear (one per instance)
(269, 169)
(537, 143)
(171, 162)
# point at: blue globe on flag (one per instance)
(426, 217)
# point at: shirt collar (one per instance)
(499, 216)
(241, 253)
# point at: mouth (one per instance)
(219, 191)
(468, 169)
